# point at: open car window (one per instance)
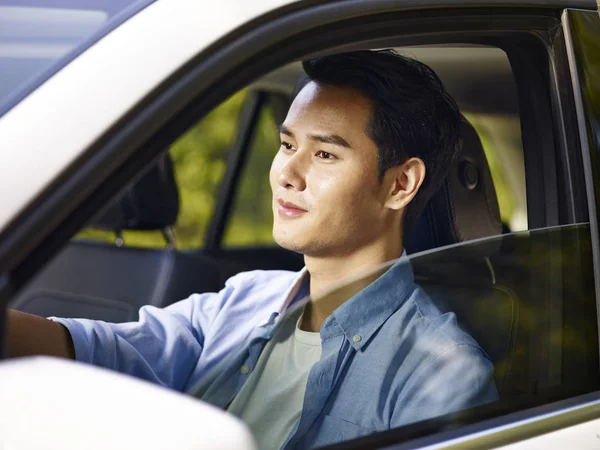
(487, 327)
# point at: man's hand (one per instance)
(34, 335)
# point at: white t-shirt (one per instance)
(270, 401)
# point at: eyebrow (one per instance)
(324, 138)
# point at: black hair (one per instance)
(412, 113)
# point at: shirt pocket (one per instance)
(334, 430)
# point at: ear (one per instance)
(405, 181)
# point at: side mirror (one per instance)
(58, 404)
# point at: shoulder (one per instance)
(442, 350)
(442, 323)
(436, 333)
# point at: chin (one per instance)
(289, 244)
(300, 244)
(290, 241)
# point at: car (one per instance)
(136, 139)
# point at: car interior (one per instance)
(474, 251)
(465, 208)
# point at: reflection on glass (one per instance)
(32, 38)
(585, 28)
(510, 318)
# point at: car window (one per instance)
(199, 160)
(36, 34)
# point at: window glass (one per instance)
(585, 28)
(508, 321)
(34, 34)
(199, 159)
(251, 219)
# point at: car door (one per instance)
(570, 417)
(97, 160)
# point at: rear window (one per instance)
(37, 37)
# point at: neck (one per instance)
(327, 270)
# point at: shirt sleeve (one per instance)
(163, 346)
(459, 378)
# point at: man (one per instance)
(368, 139)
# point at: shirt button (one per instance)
(244, 369)
(356, 338)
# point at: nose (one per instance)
(292, 174)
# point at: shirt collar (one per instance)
(364, 313)
(292, 295)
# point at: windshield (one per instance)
(37, 37)
(481, 326)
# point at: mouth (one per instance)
(288, 209)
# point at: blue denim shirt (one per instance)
(389, 358)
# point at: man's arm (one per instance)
(163, 346)
(34, 335)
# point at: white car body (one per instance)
(75, 406)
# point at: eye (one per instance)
(325, 155)
(287, 146)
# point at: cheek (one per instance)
(344, 193)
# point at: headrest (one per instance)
(465, 207)
(150, 203)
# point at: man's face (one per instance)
(327, 198)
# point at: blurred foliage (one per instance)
(251, 222)
(200, 157)
(506, 197)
